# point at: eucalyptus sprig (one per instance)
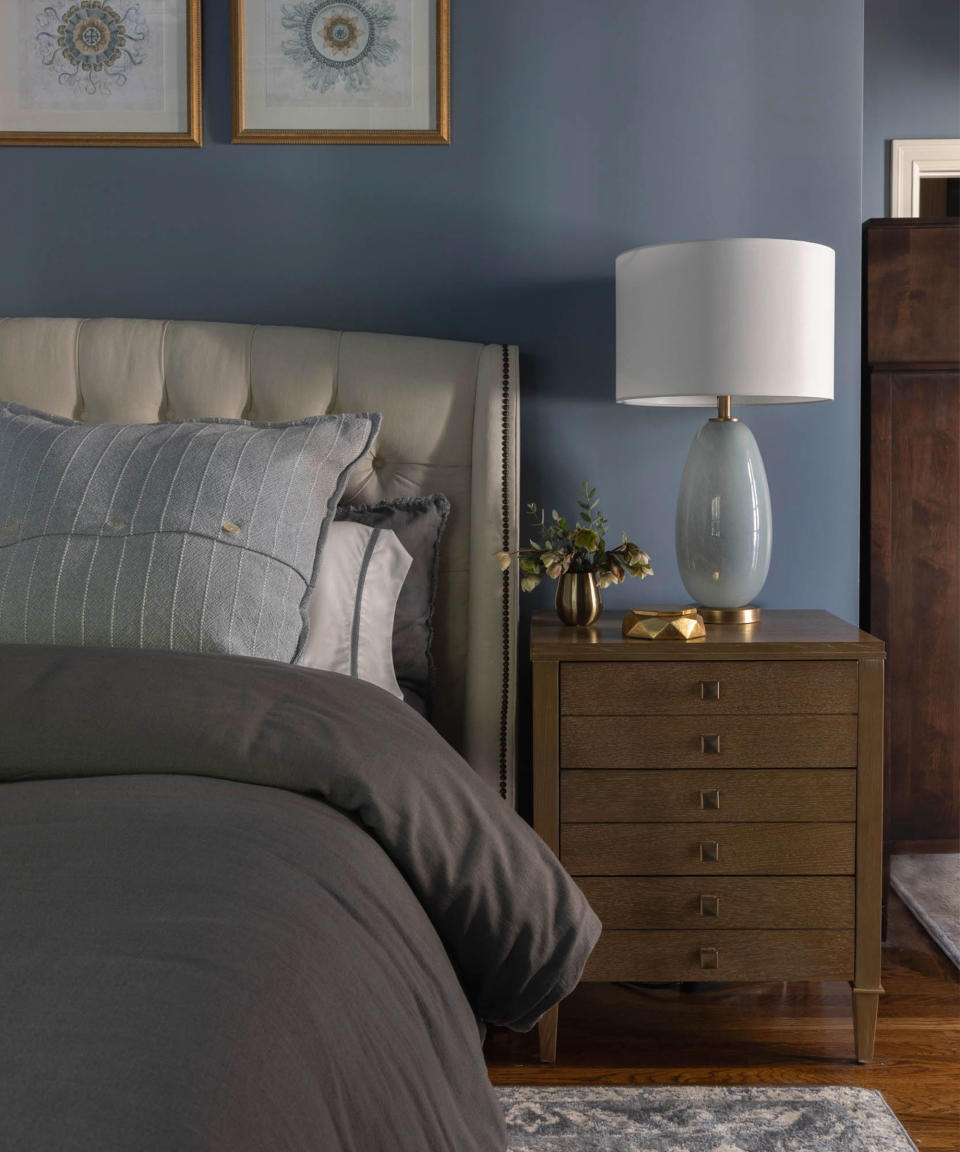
(578, 547)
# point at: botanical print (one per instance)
(330, 53)
(89, 55)
(336, 43)
(91, 46)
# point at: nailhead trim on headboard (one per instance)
(505, 498)
(128, 371)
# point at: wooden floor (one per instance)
(768, 1034)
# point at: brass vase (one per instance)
(578, 598)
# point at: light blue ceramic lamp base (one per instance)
(723, 517)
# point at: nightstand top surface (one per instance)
(798, 634)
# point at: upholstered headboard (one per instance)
(449, 425)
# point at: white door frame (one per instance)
(910, 162)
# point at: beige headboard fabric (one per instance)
(450, 425)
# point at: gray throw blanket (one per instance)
(247, 906)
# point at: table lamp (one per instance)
(724, 322)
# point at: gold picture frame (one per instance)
(436, 132)
(92, 25)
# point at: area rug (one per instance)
(608, 1119)
(929, 885)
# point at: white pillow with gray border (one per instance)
(353, 604)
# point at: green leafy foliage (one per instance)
(557, 547)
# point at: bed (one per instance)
(250, 905)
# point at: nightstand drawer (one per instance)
(705, 796)
(719, 802)
(656, 956)
(689, 902)
(721, 850)
(708, 742)
(715, 688)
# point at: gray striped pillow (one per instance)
(203, 535)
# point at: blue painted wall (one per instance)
(579, 131)
(911, 84)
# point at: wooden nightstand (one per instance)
(719, 801)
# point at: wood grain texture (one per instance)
(547, 1027)
(742, 794)
(914, 592)
(866, 1004)
(745, 742)
(746, 687)
(913, 293)
(659, 858)
(869, 826)
(742, 955)
(802, 634)
(674, 902)
(674, 849)
(908, 847)
(546, 737)
(774, 1034)
(912, 382)
(866, 986)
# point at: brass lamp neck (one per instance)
(723, 411)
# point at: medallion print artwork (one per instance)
(119, 73)
(341, 71)
(91, 48)
(339, 44)
(92, 55)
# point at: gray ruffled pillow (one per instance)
(202, 535)
(418, 521)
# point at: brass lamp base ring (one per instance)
(747, 615)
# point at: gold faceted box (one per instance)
(663, 624)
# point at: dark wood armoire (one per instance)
(911, 553)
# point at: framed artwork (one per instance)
(100, 72)
(341, 71)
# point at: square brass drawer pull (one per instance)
(710, 744)
(709, 905)
(710, 798)
(709, 689)
(709, 852)
(709, 958)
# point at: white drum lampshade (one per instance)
(742, 321)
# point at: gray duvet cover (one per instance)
(247, 906)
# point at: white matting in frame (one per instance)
(341, 71)
(100, 72)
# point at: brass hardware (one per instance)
(710, 745)
(578, 600)
(709, 905)
(723, 412)
(710, 798)
(709, 852)
(663, 624)
(709, 689)
(709, 957)
(748, 615)
(231, 528)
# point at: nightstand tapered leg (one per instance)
(865, 1002)
(547, 1031)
